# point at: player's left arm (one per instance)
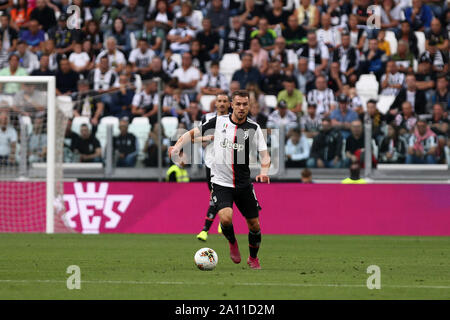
(263, 156)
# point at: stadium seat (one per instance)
(384, 103)
(170, 125)
(367, 86)
(177, 58)
(102, 130)
(229, 64)
(390, 37)
(420, 41)
(78, 121)
(6, 100)
(205, 102)
(138, 82)
(271, 101)
(140, 129)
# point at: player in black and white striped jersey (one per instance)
(222, 104)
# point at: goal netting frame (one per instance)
(54, 182)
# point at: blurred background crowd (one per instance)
(320, 69)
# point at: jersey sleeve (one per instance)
(208, 125)
(260, 141)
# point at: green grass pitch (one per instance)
(125, 266)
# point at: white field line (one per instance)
(249, 284)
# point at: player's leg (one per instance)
(249, 207)
(212, 210)
(223, 199)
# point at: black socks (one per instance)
(212, 211)
(228, 232)
(254, 240)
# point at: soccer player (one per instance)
(222, 104)
(235, 137)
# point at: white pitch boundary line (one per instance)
(221, 283)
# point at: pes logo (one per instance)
(86, 203)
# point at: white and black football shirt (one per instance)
(233, 144)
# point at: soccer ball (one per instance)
(206, 259)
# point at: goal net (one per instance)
(32, 129)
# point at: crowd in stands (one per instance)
(318, 68)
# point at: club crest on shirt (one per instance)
(245, 134)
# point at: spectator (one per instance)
(86, 104)
(392, 147)
(392, 81)
(277, 17)
(29, 101)
(343, 117)
(13, 69)
(347, 57)
(116, 58)
(79, 60)
(306, 176)
(104, 80)
(141, 57)
(191, 115)
(105, 15)
(439, 123)
(376, 118)
(305, 77)
(157, 71)
(256, 115)
(442, 94)
(180, 37)
(237, 38)
(43, 67)
(199, 56)
(425, 77)
(20, 14)
(327, 34)
(411, 94)
(408, 35)
(282, 116)
(133, 15)
(213, 82)
(209, 40)
(154, 36)
(297, 150)
(406, 120)
(404, 59)
(391, 15)
(422, 145)
(319, 63)
(122, 99)
(37, 142)
(437, 45)
(357, 35)
(63, 37)
(119, 31)
(218, 17)
(94, 35)
(308, 15)
(382, 43)
(174, 102)
(419, 15)
(294, 34)
(169, 65)
(292, 96)
(66, 78)
(146, 102)
(272, 83)
(162, 16)
(310, 123)
(373, 60)
(194, 22)
(125, 146)
(177, 172)
(260, 55)
(44, 14)
(8, 141)
(336, 79)
(9, 34)
(355, 100)
(354, 144)
(33, 36)
(153, 144)
(326, 148)
(322, 97)
(250, 14)
(188, 76)
(247, 73)
(28, 60)
(87, 147)
(286, 56)
(256, 94)
(339, 17)
(266, 35)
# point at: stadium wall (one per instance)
(287, 208)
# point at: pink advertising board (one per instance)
(287, 208)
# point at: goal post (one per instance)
(31, 120)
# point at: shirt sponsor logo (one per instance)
(230, 145)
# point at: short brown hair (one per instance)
(306, 173)
(240, 93)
